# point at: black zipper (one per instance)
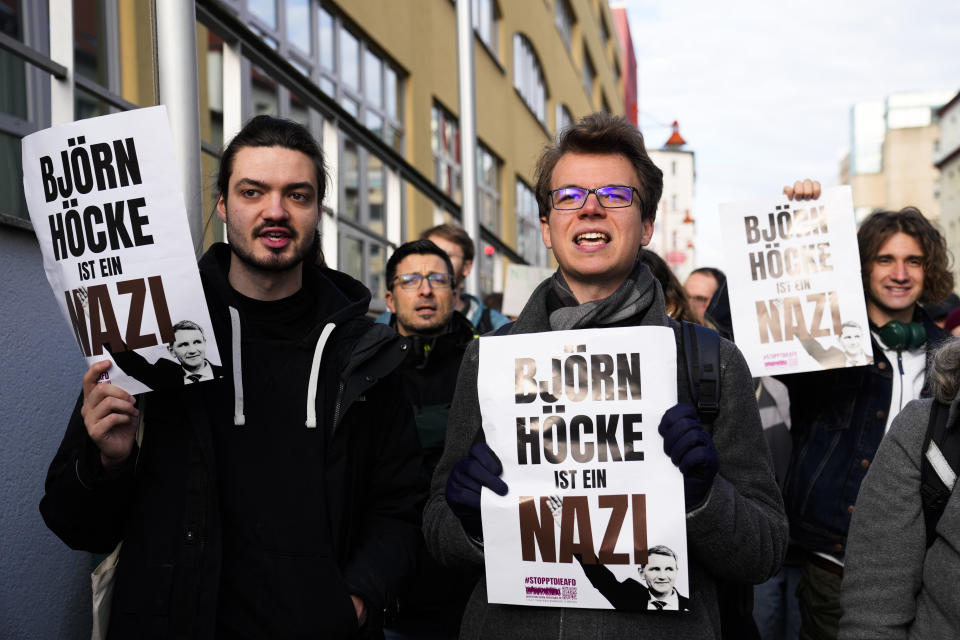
(900, 366)
(336, 407)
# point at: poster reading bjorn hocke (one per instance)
(107, 207)
(594, 516)
(793, 271)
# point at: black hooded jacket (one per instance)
(234, 498)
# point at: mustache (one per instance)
(280, 224)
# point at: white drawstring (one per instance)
(238, 418)
(314, 375)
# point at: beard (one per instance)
(285, 259)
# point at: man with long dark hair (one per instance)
(280, 500)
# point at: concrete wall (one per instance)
(44, 586)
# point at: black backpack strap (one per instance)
(939, 462)
(500, 331)
(701, 350)
(485, 325)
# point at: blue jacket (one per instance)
(838, 418)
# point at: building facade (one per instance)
(891, 159)
(673, 233)
(629, 65)
(948, 163)
(376, 83)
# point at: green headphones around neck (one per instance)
(902, 335)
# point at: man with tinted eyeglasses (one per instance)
(420, 297)
(597, 192)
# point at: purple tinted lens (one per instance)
(615, 196)
(569, 197)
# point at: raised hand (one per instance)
(803, 190)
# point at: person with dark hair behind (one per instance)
(700, 286)
(276, 502)
(458, 245)
(674, 297)
(420, 297)
(839, 417)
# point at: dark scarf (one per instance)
(638, 295)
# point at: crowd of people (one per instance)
(326, 482)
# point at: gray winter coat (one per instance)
(738, 534)
(893, 585)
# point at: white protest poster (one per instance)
(573, 416)
(793, 272)
(107, 207)
(520, 282)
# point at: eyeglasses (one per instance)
(413, 280)
(609, 197)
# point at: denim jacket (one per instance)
(838, 420)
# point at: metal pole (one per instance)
(468, 138)
(177, 71)
(61, 51)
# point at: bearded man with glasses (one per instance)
(420, 297)
(597, 191)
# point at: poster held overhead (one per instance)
(110, 220)
(793, 274)
(595, 514)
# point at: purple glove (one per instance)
(479, 468)
(691, 449)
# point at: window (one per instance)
(564, 118)
(488, 189)
(487, 268)
(341, 62)
(298, 25)
(362, 246)
(529, 242)
(265, 11)
(16, 116)
(588, 74)
(486, 20)
(564, 19)
(528, 77)
(263, 92)
(673, 167)
(604, 30)
(364, 83)
(445, 140)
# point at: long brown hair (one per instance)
(879, 226)
(675, 297)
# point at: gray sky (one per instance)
(763, 90)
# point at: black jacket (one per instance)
(628, 595)
(163, 503)
(435, 597)
(838, 418)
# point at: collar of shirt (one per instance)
(672, 602)
(206, 373)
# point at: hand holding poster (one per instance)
(109, 217)
(793, 271)
(595, 513)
